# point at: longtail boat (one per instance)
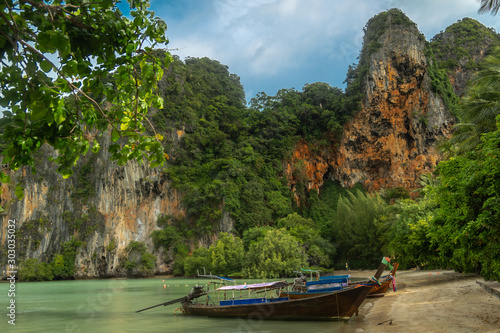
(326, 284)
(339, 304)
(385, 282)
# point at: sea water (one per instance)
(81, 306)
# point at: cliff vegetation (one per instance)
(314, 177)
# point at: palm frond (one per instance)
(489, 6)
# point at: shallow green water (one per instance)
(109, 305)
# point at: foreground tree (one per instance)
(359, 226)
(409, 236)
(227, 254)
(465, 230)
(71, 68)
(318, 249)
(276, 255)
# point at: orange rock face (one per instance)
(309, 162)
(392, 140)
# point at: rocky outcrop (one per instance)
(309, 164)
(103, 206)
(393, 139)
(460, 49)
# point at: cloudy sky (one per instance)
(276, 44)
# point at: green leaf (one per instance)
(19, 191)
(96, 147)
(60, 114)
(46, 66)
(4, 178)
(114, 149)
(39, 111)
(43, 40)
(115, 136)
(138, 21)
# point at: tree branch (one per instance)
(73, 87)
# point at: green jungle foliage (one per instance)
(230, 158)
(138, 261)
(455, 224)
(230, 161)
(359, 226)
(62, 266)
(440, 83)
(482, 105)
(273, 253)
(466, 228)
(454, 49)
(409, 236)
(64, 263)
(277, 254)
(318, 250)
(225, 256)
(33, 270)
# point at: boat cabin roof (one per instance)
(222, 278)
(255, 286)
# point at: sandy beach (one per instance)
(429, 301)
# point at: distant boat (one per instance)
(339, 304)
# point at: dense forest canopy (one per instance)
(230, 159)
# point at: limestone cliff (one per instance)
(392, 140)
(103, 205)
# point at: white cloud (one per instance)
(270, 36)
(231, 10)
(433, 16)
(270, 39)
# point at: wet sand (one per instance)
(429, 301)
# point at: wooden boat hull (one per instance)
(340, 305)
(379, 291)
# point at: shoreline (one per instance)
(431, 301)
